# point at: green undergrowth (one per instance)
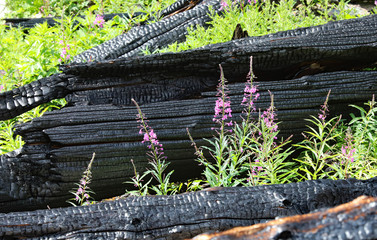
(30, 54)
(55, 8)
(260, 19)
(251, 153)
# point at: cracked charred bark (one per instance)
(355, 220)
(184, 215)
(177, 91)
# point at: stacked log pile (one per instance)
(177, 91)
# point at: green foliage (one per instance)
(55, 8)
(363, 136)
(23, 8)
(271, 165)
(8, 141)
(260, 19)
(317, 149)
(338, 151)
(26, 57)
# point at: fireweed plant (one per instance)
(337, 150)
(227, 153)
(345, 164)
(270, 154)
(318, 145)
(358, 156)
(83, 192)
(247, 149)
(156, 158)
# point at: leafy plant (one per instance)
(83, 192)
(226, 149)
(8, 140)
(157, 161)
(361, 143)
(246, 147)
(270, 162)
(318, 145)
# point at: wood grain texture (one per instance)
(184, 215)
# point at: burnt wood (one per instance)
(172, 28)
(185, 215)
(354, 220)
(60, 144)
(342, 45)
(176, 90)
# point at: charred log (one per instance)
(354, 220)
(185, 215)
(60, 144)
(343, 45)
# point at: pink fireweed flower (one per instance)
(64, 56)
(223, 4)
(99, 21)
(79, 190)
(149, 136)
(83, 190)
(250, 95)
(83, 182)
(324, 109)
(268, 117)
(41, 10)
(223, 111)
(256, 169)
(347, 151)
(248, 99)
